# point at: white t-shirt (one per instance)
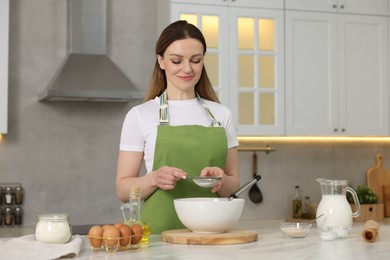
(139, 131)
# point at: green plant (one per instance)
(365, 195)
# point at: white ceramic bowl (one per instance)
(208, 215)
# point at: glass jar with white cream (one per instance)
(53, 228)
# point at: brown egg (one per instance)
(95, 234)
(117, 225)
(111, 235)
(137, 232)
(126, 233)
(106, 225)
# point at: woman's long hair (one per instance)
(179, 30)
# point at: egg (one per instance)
(137, 232)
(111, 236)
(95, 234)
(106, 225)
(126, 233)
(117, 225)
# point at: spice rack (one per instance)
(11, 204)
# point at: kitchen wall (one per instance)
(65, 154)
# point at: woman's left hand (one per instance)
(214, 171)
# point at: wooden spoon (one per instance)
(255, 194)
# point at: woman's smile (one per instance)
(186, 78)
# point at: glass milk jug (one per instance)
(334, 214)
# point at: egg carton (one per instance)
(113, 244)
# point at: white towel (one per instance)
(26, 247)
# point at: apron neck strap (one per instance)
(164, 113)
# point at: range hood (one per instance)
(87, 73)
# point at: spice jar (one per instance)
(18, 216)
(306, 210)
(18, 191)
(53, 228)
(8, 195)
(8, 216)
(1, 195)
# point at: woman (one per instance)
(181, 130)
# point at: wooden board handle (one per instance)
(379, 161)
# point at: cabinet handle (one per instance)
(334, 6)
(335, 130)
(343, 130)
(341, 6)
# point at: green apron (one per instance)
(190, 148)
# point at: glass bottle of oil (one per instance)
(134, 207)
(297, 203)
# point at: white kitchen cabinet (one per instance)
(372, 7)
(336, 74)
(244, 59)
(236, 3)
(388, 7)
(256, 66)
(4, 33)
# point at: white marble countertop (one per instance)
(271, 244)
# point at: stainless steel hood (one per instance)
(87, 73)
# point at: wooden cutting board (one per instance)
(377, 177)
(185, 236)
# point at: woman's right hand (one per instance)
(166, 177)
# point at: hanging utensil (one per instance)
(255, 194)
(246, 186)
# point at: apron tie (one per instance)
(164, 113)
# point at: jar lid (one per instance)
(18, 210)
(54, 216)
(8, 210)
(18, 188)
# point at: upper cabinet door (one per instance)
(201, 2)
(275, 4)
(312, 5)
(256, 62)
(311, 73)
(371, 7)
(4, 32)
(237, 3)
(363, 75)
